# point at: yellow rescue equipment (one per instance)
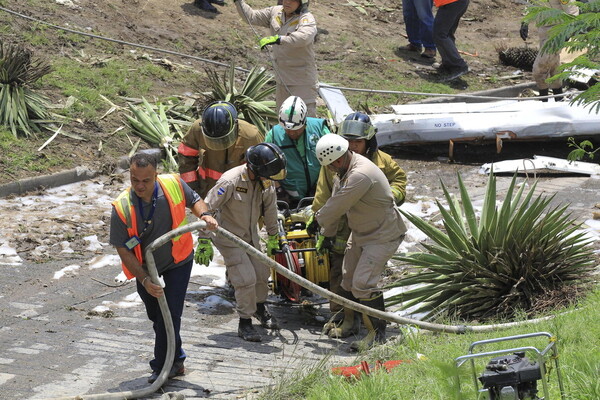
(298, 252)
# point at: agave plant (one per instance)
(497, 266)
(156, 128)
(21, 108)
(250, 100)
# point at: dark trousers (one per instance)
(444, 26)
(176, 282)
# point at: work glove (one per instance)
(312, 226)
(524, 31)
(272, 244)
(269, 40)
(324, 244)
(398, 196)
(204, 252)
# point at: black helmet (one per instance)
(357, 126)
(267, 160)
(220, 125)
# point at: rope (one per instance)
(121, 41)
(321, 85)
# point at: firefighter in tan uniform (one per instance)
(213, 145)
(240, 197)
(546, 64)
(361, 192)
(360, 133)
(293, 31)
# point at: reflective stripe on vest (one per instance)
(171, 186)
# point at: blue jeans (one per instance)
(418, 18)
(176, 283)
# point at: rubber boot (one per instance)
(247, 332)
(375, 326)
(349, 326)
(264, 316)
(334, 323)
(558, 91)
(544, 92)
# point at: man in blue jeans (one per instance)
(152, 206)
(418, 18)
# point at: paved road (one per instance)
(76, 335)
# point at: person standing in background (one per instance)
(418, 18)
(446, 21)
(293, 31)
(546, 64)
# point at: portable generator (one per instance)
(509, 374)
(511, 377)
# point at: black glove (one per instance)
(312, 226)
(524, 31)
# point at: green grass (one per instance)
(433, 377)
(20, 154)
(91, 78)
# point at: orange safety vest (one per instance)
(171, 186)
(439, 3)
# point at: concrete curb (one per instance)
(77, 174)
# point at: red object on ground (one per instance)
(357, 370)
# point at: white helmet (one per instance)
(331, 147)
(292, 113)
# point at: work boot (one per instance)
(544, 92)
(349, 326)
(176, 370)
(205, 5)
(428, 53)
(264, 316)
(336, 323)
(411, 47)
(558, 91)
(375, 326)
(247, 332)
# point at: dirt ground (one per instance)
(177, 25)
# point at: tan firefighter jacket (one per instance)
(294, 56)
(364, 195)
(201, 167)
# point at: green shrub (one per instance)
(498, 266)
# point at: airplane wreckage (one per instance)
(477, 120)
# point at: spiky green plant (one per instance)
(499, 266)
(154, 127)
(21, 108)
(250, 100)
